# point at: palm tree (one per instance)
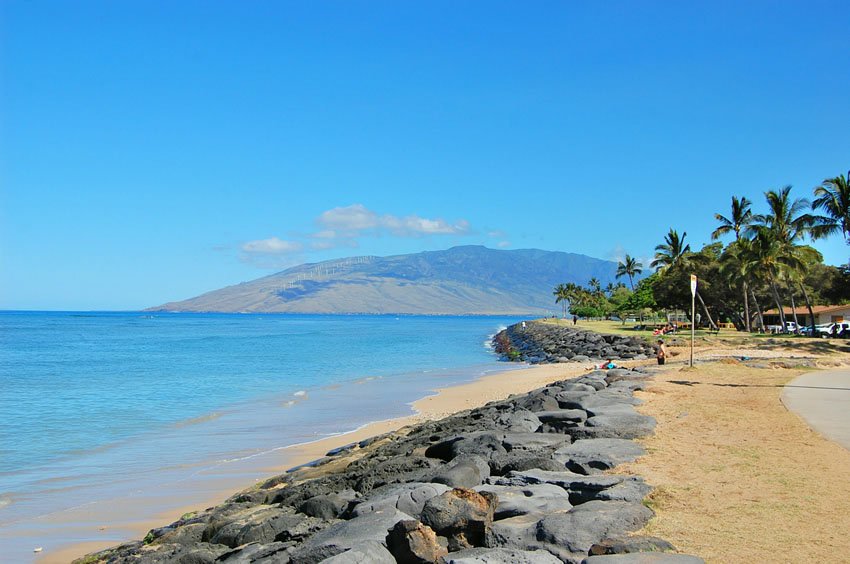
(674, 252)
(671, 252)
(739, 222)
(629, 267)
(562, 296)
(764, 259)
(780, 230)
(785, 219)
(833, 197)
(798, 261)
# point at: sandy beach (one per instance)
(679, 517)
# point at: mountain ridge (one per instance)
(464, 280)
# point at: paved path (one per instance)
(822, 399)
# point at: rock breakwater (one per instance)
(539, 342)
(519, 480)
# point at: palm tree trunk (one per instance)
(758, 309)
(705, 309)
(747, 325)
(778, 301)
(809, 306)
(794, 310)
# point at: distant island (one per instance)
(466, 280)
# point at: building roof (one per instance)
(801, 308)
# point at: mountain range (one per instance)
(466, 280)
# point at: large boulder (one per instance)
(521, 460)
(411, 542)
(328, 506)
(592, 456)
(272, 553)
(346, 535)
(518, 532)
(367, 552)
(407, 498)
(262, 524)
(396, 469)
(202, 553)
(616, 425)
(462, 472)
(518, 421)
(462, 515)
(536, 499)
(543, 443)
(570, 535)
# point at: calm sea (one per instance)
(96, 405)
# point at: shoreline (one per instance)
(442, 402)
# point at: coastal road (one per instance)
(822, 399)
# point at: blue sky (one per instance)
(151, 151)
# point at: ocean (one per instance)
(106, 412)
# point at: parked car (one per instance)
(822, 329)
(790, 327)
(837, 329)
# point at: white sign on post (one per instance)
(693, 314)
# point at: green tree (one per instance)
(674, 254)
(738, 223)
(833, 197)
(778, 233)
(671, 251)
(562, 296)
(640, 300)
(630, 267)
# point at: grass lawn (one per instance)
(725, 336)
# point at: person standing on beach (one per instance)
(661, 352)
(575, 319)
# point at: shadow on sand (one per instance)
(694, 383)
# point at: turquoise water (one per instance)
(96, 403)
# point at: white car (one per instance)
(830, 329)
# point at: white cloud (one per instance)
(413, 226)
(272, 246)
(341, 227)
(349, 218)
(503, 244)
(353, 220)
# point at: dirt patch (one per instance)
(739, 478)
